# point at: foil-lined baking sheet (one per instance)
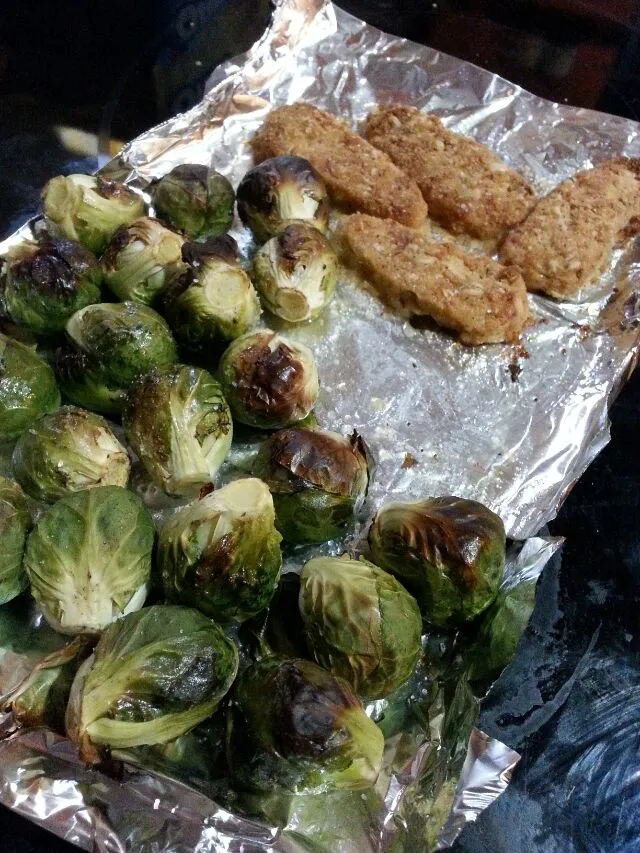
(513, 427)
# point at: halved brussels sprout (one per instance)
(27, 388)
(197, 200)
(317, 480)
(153, 676)
(68, 451)
(269, 381)
(88, 209)
(141, 259)
(213, 300)
(221, 553)
(279, 190)
(15, 521)
(110, 345)
(47, 281)
(448, 551)
(178, 423)
(294, 726)
(88, 559)
(295, 272)
(361, 623)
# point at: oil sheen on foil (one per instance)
(513, 427)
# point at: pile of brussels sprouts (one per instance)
(120, 306)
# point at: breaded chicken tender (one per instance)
(356, 174)
(467, 187)
(481, 300)
(567, 239)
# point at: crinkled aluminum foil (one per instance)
(512, 427)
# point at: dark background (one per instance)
(570, 702)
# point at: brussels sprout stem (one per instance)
(121, 734)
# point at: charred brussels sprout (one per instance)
(153, 676)
(279, 190)
(294, 726)
(140, 260)
(269, 382)
(89, 559)
(89, 209)
(68, 451)
(448, 551)
(179, 424)
(197, 200)
(295, 272)
(110, 346)
(221, 554)
(27, 388)
(213, 300)
(360, 622)
(15, 522)
(317, 480)
(47, 282)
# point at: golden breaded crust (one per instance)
(357, 175)
(467, 187)
(567, 239)
(481, 300)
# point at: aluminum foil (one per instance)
(512, 427)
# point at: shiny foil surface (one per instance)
(513, 427)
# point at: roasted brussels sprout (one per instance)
(361, 623)
(88, 559)
(448, 551)
(141, 259)
(213, 300)
(295, 272)
(279, 190)
(221, 554)
(178, 423)
(317, 480)
(27, 388)
(197, 200)
(153, 676)
(294, 726)
(67, 451)
(110, 346)
(41, 699)
(269, 381)
(88, 209)
(47, 282)
(15, 521)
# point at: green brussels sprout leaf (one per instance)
(15, 521)
(27, 388)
